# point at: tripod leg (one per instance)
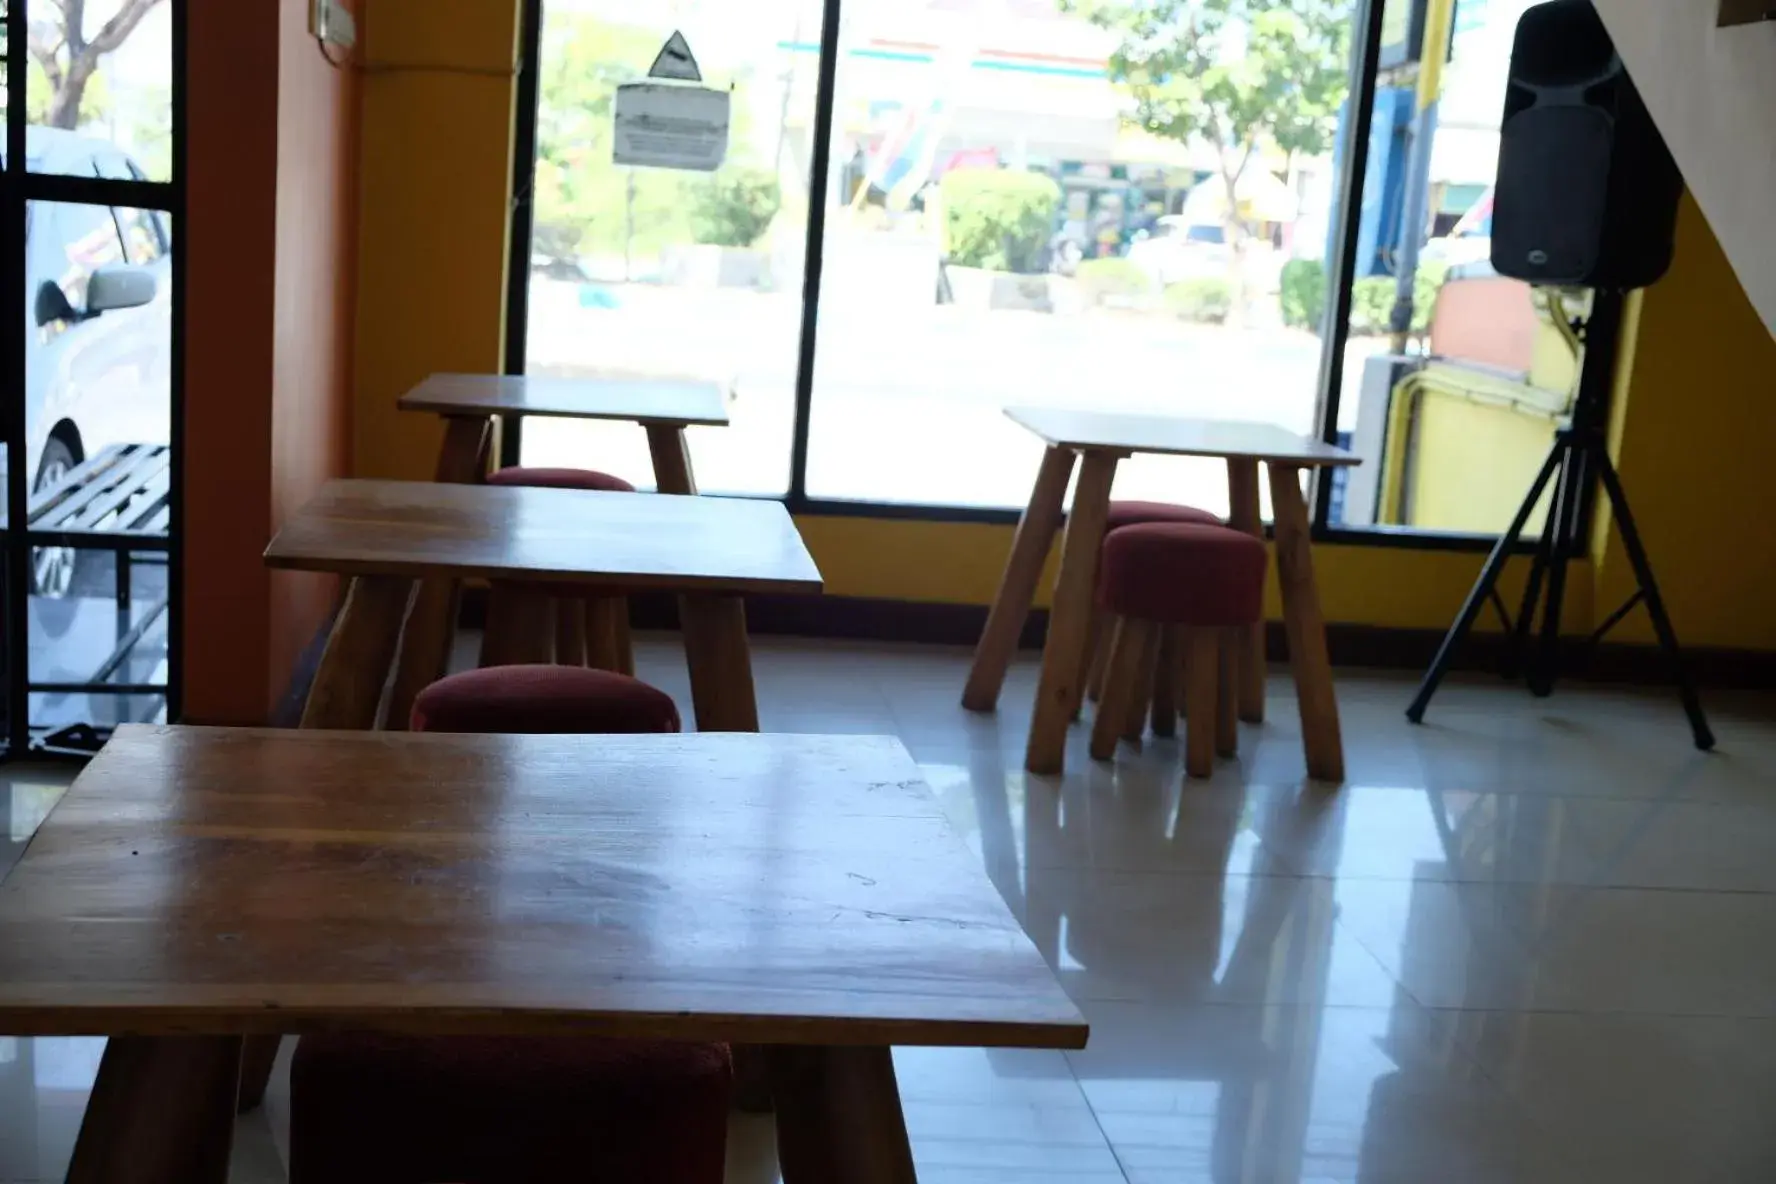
(1517, 644)
(1558, 536)
(1482, 589)
(1649, 587)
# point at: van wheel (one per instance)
(53, 568)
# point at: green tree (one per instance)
(734, 207)
(1242, 75)
(65, 58)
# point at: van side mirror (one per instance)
(119, 285)
(52, 305)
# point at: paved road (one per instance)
(907, 399)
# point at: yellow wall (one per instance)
(440, 85)
(436, 174)
(1696, 423)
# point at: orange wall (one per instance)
(314, 316)
(270, 273)
(231, 79)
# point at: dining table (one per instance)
(472, 408)
(385, 536)
(807, 895)
(1094, 442)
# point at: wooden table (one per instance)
(387, 534)
(804, 893)
(1103, 439)
(471, 403)
(664, 407)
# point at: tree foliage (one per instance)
(587, 204)
(65, 58)
(734, 207)
(999, 219)
(1243, 75)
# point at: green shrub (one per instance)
(1206, 299)
(999, 219)
(734, 207)
(1372, 301)
(1099, 278)
(1304, 294)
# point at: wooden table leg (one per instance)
(1308, 656)
(431, 622)
(1069, 620)
(161, 1112)
(348, 683)
(1017, 587)
(672, 458)
(838, 1116)
(720, 661)
(1244, 514)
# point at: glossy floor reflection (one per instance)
(1530, 941)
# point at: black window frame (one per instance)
(20, 188)
(1367, 23)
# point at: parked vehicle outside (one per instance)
(98, 327)
(1179, 249)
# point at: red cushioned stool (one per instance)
(382, 1109)
(1133, 513)
(535, 622)
(1203, 585)
(370, 1109)
(531, 700)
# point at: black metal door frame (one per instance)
(18, 189)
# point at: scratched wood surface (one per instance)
(761, 888)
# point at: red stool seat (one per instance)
(543, 699)
(374, 1109)
(1180, 574)
(1133, 513)
(561, 479)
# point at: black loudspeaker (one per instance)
(1587, 191)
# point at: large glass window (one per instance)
(1140, 205)
(1026, 210)
(644, 271)
(1455, 377)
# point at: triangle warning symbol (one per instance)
(676, 61)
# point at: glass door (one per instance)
(92, 190)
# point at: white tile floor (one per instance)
(1531, 941)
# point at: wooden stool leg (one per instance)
(1308, 657)
(161, 1112)
(1202, 671)
(601, 633)
(1165, 683)
(672, 459)
(720, 660)
(570, 632)
(520, 627)
(1017, 587)
(1134, 724)
(347, 688)
(625, 645)
(839, 1119)
(1227, 688)
(1128, 649)
(1069, 621)
(1245, 515)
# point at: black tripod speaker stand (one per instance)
(1580, 451)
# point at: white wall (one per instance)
(1713, 93)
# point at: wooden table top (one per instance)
(1115, 431)
(764, 888)
(628, 540)
(675, 401)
